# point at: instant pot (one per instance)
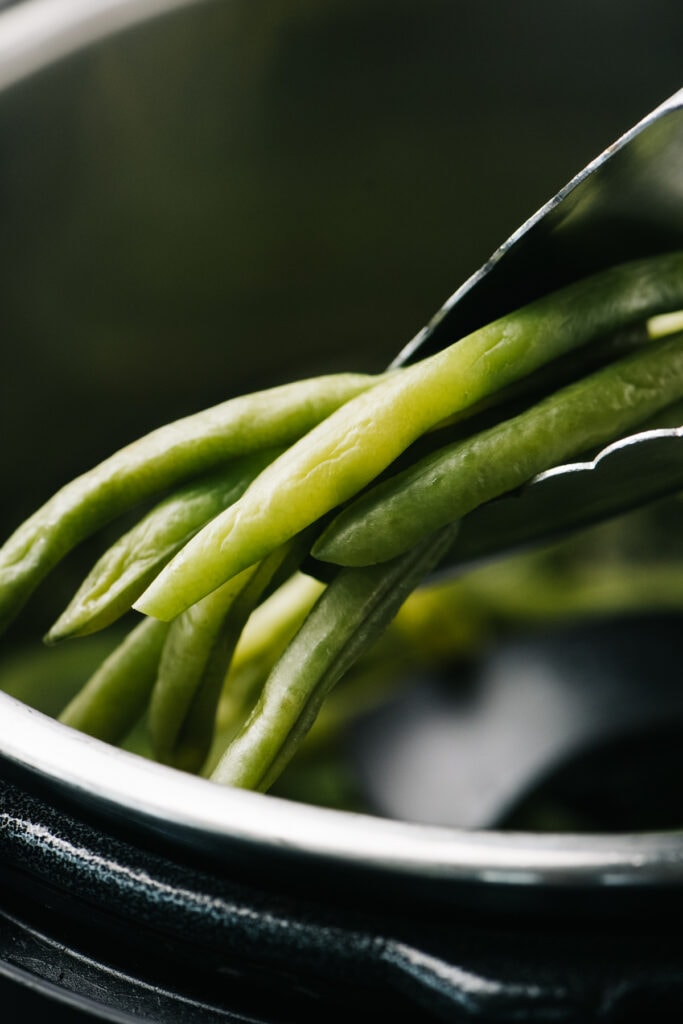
(201, 197)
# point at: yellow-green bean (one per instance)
(191, 638)
(347, 618)
(396, 514)
(352, 446)
(168, 456)
(197, 655)
(116, 695)
(132, 562)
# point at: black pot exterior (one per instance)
(130, 933)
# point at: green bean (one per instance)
(168, 456)
(196, 735)
(434, 625)
(196, 657)
(347, 618)
(357, 442)
(396, 514)
(274, 623)
(191, 638)
(129, 565)
(268, 631)
(116, 695)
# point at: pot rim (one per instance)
(38, 33)
(33, 36)
(210, 818)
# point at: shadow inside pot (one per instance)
(577, 729)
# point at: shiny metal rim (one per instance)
(198, 812)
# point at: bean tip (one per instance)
(148, 606)
(332, 549)
(67, 628)
(53, 636)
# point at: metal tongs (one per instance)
(626, 204)
(543, 701)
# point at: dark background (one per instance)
(250, 192)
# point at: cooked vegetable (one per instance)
(195, 642)
(196, 656)
(123, 572)
(116, 695)
(395, 515)
(247, 489)
(344, 622)
(353, 445)
(168, 456)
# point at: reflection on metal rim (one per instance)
(38, 33)
(198, 813)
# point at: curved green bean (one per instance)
(396, 514)
(351, 447)
(266, 634)
(353, 610)
(165, 457)
(116, 695)
(197, 655)
(273, 624)
(132, 562)
(191, 638)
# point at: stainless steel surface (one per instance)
(208, 819)
(626, 204)
(42, 31)
(624, 475)
(578, 724)
(123, 246)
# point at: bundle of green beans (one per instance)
(369, 475)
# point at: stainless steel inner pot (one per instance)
(202, 197)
